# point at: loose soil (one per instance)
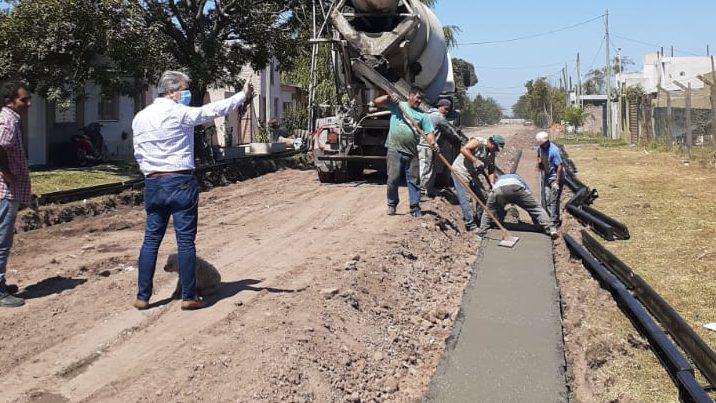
(324, 298)
(669, 209)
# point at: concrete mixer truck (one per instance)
(377, 47)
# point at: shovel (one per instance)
(508, 241)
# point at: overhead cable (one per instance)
(519, 38)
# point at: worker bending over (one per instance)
(476, 157)
(512, 189)
(549, 163)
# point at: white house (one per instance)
(47, 129)
(663, 71)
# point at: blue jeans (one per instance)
(551, 201)
(176, 196)
(8, 212)
(463, 196)
(403, 166)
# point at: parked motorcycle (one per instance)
(88, 145)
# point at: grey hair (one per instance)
(171, 81)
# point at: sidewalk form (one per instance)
(508, 344)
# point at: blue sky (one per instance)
(503, 68)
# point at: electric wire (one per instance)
(653, 45)
(517, 67)
(519, 38)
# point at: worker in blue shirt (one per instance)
(549, 163)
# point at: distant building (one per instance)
(660, 70)
(648, 119)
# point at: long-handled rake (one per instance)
(508, 241)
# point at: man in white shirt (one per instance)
(164, 149)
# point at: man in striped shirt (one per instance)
(164, 149)
(14, 175)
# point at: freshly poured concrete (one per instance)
(508, 345)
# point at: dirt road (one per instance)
(324, 298)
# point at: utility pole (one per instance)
(689, 138)
(567, 85)
(713, 102)
(608, 67)
(711, 83)
(312, 82)
(669, 118)
(579, 84)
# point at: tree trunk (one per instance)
(198, 91)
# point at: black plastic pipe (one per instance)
(676, 365)
(700, 353)
(602, 228)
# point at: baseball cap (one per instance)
(444, 102)
(499, 140)
(542, 137)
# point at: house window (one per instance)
(108, 108)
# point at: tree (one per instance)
(487, 110)
(543, 103)
(575, 116)
(465, 77)
(596, 78)
(109, 41)
(213, 40)
(77, 43)
(520, 109)
(595, 83)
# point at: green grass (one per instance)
(669, 209)
(47, 181)
(590, 139)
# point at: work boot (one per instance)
(415, 211)
(11, 289)
(140, 305)
(192, 305)
(10, 301)
(470, 227)
(553, 233)
(391, 210)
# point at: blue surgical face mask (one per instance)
(185, 98)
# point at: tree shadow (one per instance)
(230, 289)
(49, 286)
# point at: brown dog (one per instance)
(208, 278)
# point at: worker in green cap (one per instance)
(476, 158)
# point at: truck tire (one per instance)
(326, 177)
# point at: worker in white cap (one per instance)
(549, 163)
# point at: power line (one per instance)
(500, 88)
(599, 51)
(517, 67)
(519, 38)
(653, 45)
